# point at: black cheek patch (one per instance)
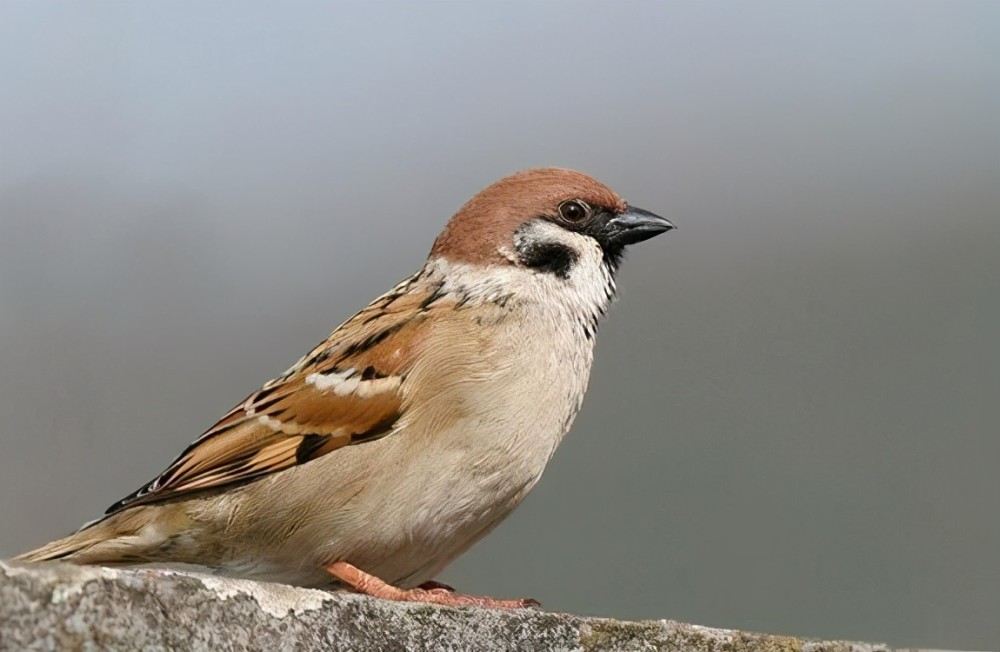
(551, 257)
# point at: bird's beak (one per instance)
(634, 225)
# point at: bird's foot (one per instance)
(429, 592)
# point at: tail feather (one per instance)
(123, 538)
(60, 549)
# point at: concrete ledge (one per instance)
(64, 607)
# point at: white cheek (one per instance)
(589, 288)
(587, 291)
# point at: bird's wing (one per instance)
(345, 391)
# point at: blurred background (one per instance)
(793, 419)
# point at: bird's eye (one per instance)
(573, 210)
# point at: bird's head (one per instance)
(545, 219)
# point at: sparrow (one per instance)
(416, 427)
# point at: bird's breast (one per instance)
(484, 410)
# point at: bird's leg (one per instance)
(437, 593)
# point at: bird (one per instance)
(415, 428)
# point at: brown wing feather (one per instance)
(345, 391)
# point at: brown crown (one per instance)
(488, 221)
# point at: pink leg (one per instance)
(362, 582)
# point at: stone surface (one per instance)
(64, 607)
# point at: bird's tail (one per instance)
(128, 537)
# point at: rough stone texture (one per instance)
(58, 606)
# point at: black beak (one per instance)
(633, 225)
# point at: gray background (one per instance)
(793, 419)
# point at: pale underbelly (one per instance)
(403, 522)
(405, 506)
